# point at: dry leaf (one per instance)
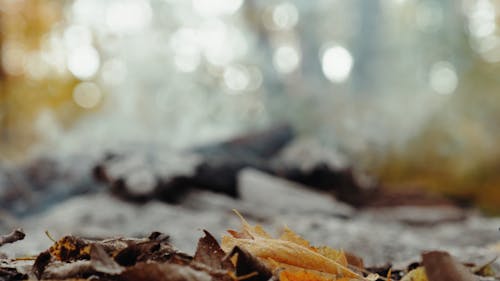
(441, 266)
(249, 266)
(70, 248)
(289, 250)
(149, 250)
(210, 258)
(209, 252)
(309, 275)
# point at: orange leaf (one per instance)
(301, 275)
(289, 250)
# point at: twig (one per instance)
(480, 267)
(12, 237)
(25, 258)
(47, 233)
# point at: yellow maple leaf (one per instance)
(291, 255)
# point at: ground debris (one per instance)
(250, 254)
(163, 272)
(102, 262)
(11, 274)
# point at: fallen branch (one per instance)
(12, 237)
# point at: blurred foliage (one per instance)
(23, 27)
(414, 100)
(456, 152)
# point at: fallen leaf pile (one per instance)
(247, 255)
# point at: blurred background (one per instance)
(407, 90)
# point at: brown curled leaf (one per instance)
(158, 236)
(354, 260)
(248, 265)
(209, 252)
(441, 266)
(153, 250)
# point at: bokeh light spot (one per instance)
(482, 19)
(236, 77)
(83, 62)
(286, 59)
(337, 64)
(285, 15)
(221, 43)
(87, 95)
(443, 78)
